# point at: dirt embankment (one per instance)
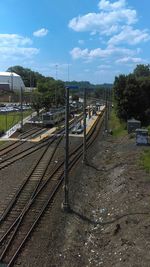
(110, 221)
(109, 224)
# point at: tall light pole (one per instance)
(106, 112)
(21, 106)
(68, 73)
(56, 69)
(6, 121)
(55, 85)
(66, 206)
(12, 85)
(84, 125)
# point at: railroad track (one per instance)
(14, 238)
(33, 179)
(28, 151)
(30, 133)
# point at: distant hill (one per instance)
(88, 85)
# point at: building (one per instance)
(4, 87)
(13, 81)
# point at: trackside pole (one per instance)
(106, 112)
(66, 206)
(21, 102)
(84, 125)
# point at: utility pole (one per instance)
(6, 121)
(106, 112)
(84, 125)
(30, 88)
(21, 107)
(68, 73)
(12, 85)
(55, 85)
(66, 205)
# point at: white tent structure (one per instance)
(14, 80)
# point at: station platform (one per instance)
(51, 132)
(47, 134)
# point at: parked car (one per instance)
(74, 130)
(80, 129)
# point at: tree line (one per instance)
(132, 94)
(49, 92)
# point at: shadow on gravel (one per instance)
(93, 167)
(82, 217)
(117, 217)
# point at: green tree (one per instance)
(53, 92)
(28, 76)
(37, 101)
(142, 70)
(132, 96)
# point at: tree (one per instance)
(37, 101)
(142, 70)
(132, 96)
(28, 76)
(53, 92)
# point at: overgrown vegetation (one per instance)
(145, 160)
(118, 127)
(132, 94)
(2, 142)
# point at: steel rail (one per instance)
(13, 158)
(19, 220)
(17, 141)
(21, 188)
(33, 134)
(27, 131)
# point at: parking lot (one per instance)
(13, 107)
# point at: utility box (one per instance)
(132, 125)
(141, 136)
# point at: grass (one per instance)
(117, 127)
(12, 118)
(148, 129)
(145, 159)
(2, 142)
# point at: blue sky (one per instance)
(92, 40)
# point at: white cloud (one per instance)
(106, 5)
(106, 22)
(13, 46)
(40, 33)
(104, 66)
(78, 53)
(130, 36)
(114, 19)
(125, 60)
(10, 52)
(14, 40)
